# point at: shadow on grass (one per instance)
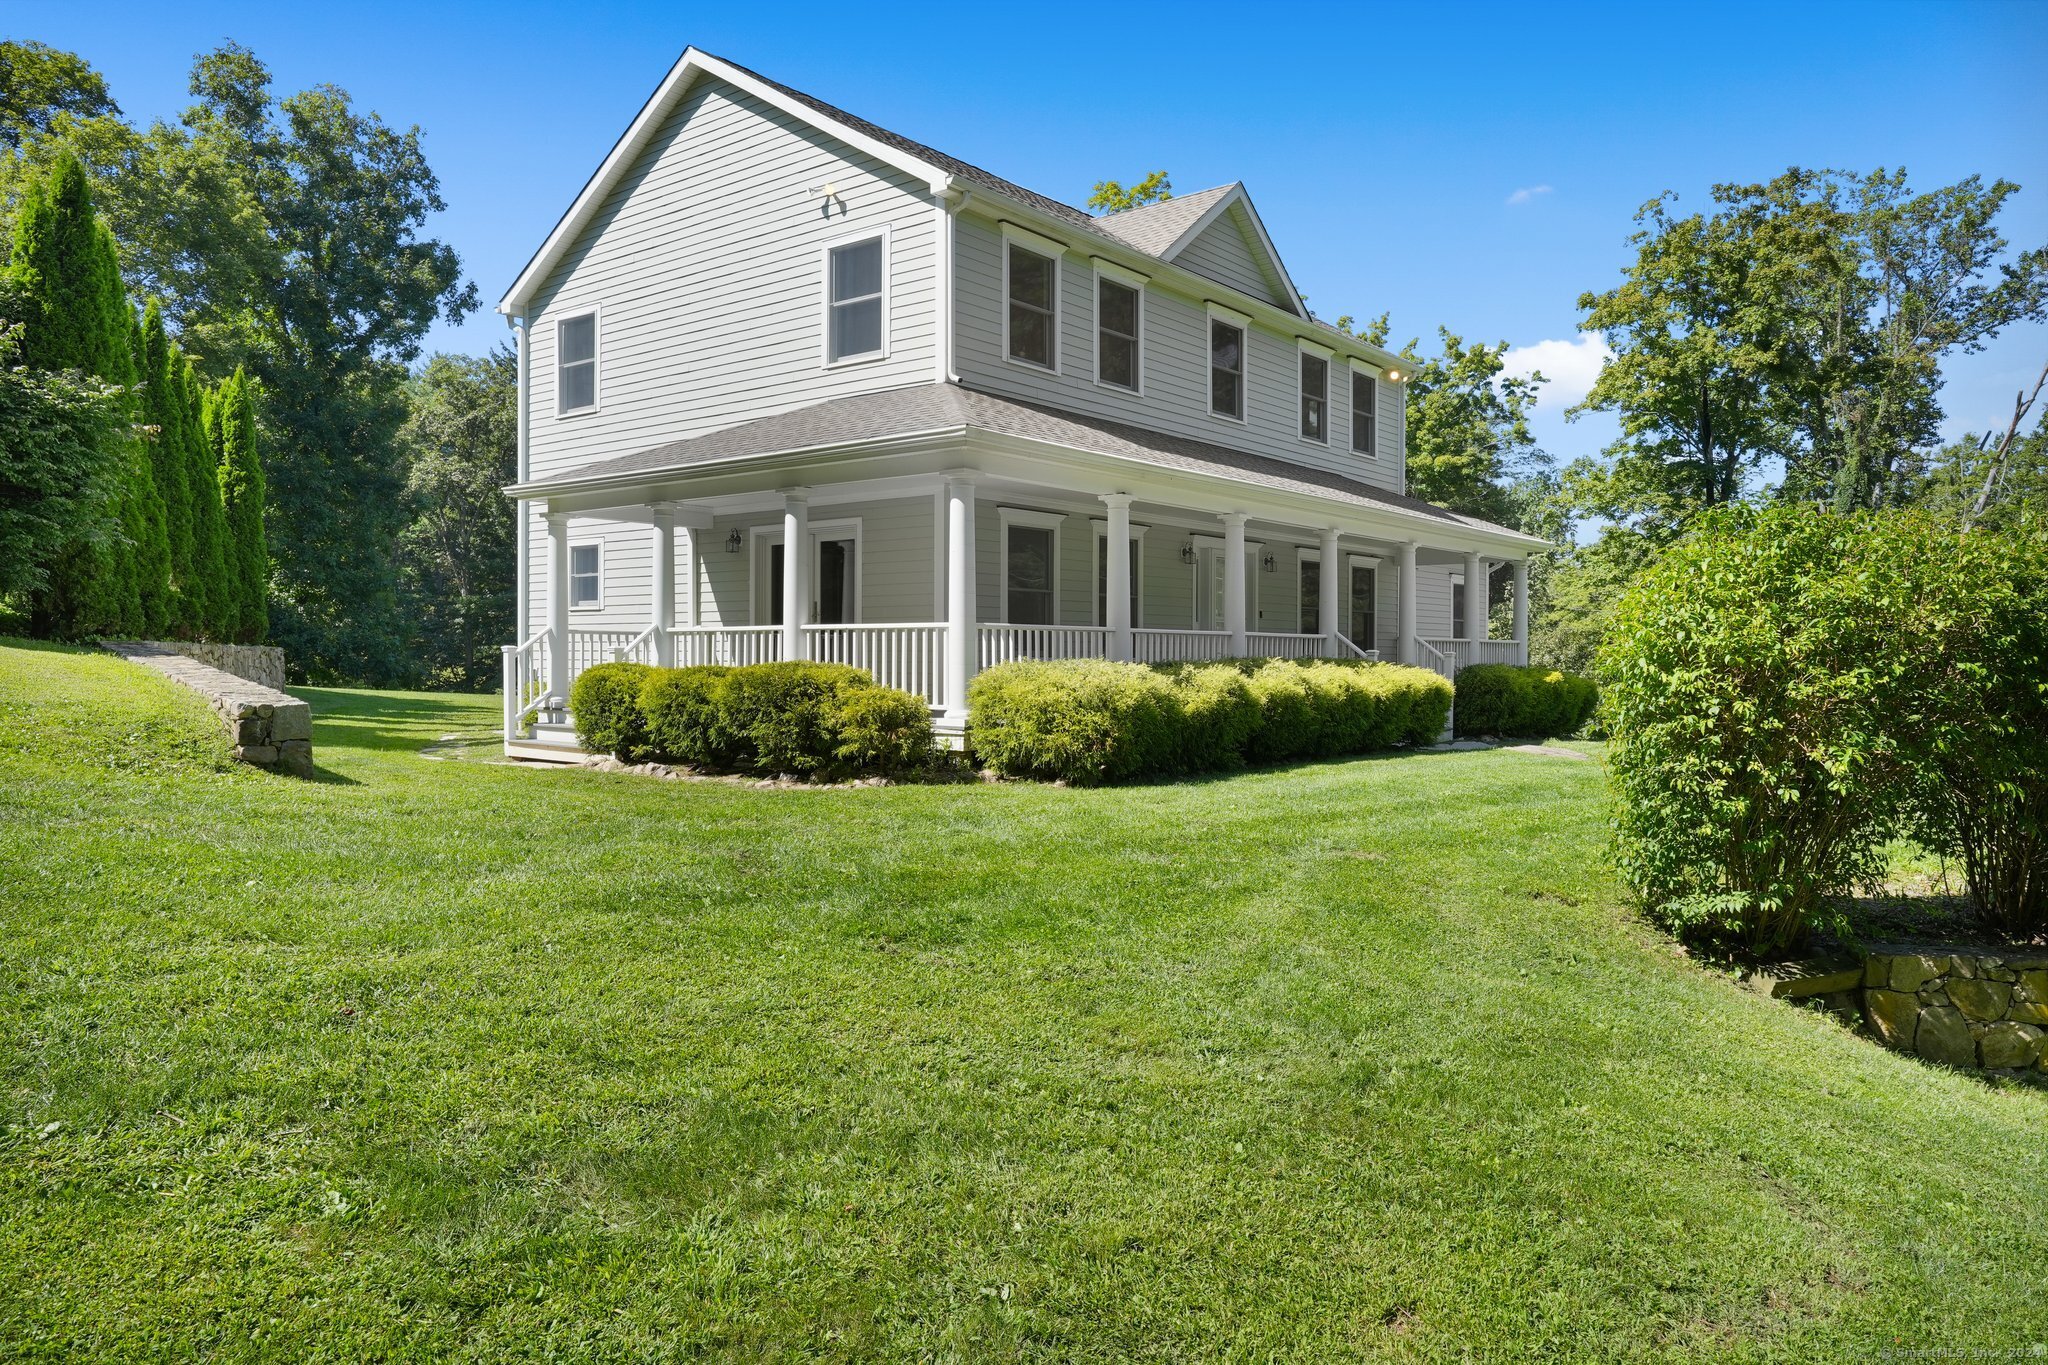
(385, 722)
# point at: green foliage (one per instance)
(605, 700)
(779, 718)
(880, 730)
(1536, 702)
(58, 432)
(38, 83)
(212, 592)
(1109, 196)
(812, 719)
(232, 427)
(1088, 721)
(457, 553)
(1469, 444)
(681, 705)
(160, 407)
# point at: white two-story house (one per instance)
(793, 386)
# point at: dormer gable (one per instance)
(1217, 234)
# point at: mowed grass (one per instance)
(451, 1060)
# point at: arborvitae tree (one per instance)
(161, 414)
(231, 423)
(209, 533)
(53, 268)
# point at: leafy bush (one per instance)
(682, 710)
(1504, 699)
(1085, 720)
(1754, 774)
(881, 730)
(605, 701)
(1076, 720)
(818, 719)
(778, 718)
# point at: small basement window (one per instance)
(856, 300)
(576, 364)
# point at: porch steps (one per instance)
(551, 742)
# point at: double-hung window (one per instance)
(856, 325)
(1033, 286)
(1364, 413)
(1030, 566)
(1116, 333)
(576, 364)
(586, 575)
(1315, 397)
(1226, 368)
(1311, 578)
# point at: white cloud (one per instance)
(1526, 194)
(1571, 364)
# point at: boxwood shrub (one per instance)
(812, 719)
(1505, 699)
(1089, 721)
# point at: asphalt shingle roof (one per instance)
(947, 407)
(1152, 228)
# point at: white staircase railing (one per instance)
(1465, 653)
(1427, 655)
(1347, 648)
(526, 681)
(1152, 646)
(644, 648)
(908, 656)
(999, 644)
(1285, 645)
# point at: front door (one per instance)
(835, 589)
(1209, 588)
(1364, 598)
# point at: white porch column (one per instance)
(1233, 583)
(693, 548)
(796, 569)
(1475, 597)
(1522, 609)
(1407, 650)
(558, 604)
(1326, 604)
(960, 626)
(1116, 579)
(664, 582)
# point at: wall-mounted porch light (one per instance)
(1187, 552)
(735, 542)
(1267, 564)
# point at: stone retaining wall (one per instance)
(1975, 1008)
(269, 728)
(259, 664)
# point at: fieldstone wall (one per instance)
(270, 729)
(259, 664)
(1977, 1008)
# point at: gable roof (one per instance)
(939, 409)
(1167, 228)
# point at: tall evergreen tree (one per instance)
(162, 417)
(210, 591)
(231, 424)
(150, 531)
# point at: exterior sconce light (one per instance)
(734, 542)
(1267, 564)
(1187, 552)
(1393, 376)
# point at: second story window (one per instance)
(576, 364)
(1116, 334)
(1226, 369)
(1364, 400)
(1315, 397)
(854, 329)
(1033, 282)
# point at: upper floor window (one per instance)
(1315, 397)
(1116, 333)
(1032, 286)
(855, 327)
(1364, 397)
(576, 364)
(1226, 368)
(586, 575)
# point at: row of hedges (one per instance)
(814, 719)
(1506, 699)
(1789, 689)
(1091, 721)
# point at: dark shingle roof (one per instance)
(931, 408)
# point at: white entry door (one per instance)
(1209, 566)
(835, 579)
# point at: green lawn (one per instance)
(453, 1060)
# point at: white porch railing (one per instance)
(588, 647)
(732, 645)
(1429, 656)
(1276, 645)
(1347, 648)
(1152, 646)
(1464, 653)
(526, 680)
(1005, 644)
(641, 649)
(910, 657)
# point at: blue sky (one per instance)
(1475, 166)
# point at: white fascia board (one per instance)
(903, 442)
(647, 122)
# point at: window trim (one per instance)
(1025, 240)
(1216, 313)
(595, 543)
(1098, 589)
(1006, 517)
(1129, 279)
(766, 534)
(1304, 349)
(1372, 375)
(595, 314)
(825, 250)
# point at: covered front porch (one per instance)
(926, 578)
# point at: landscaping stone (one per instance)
(2034, 984)
(259, 664)
(1893, 1016)
(1980, 999)
(2027, 1013)
(1911, 971)
(1822, 982)
(2009, 1046)
(269, 728)
(1943, 1035)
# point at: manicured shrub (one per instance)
(681, 707)
(1287, 713)
(1218, 716)
(1076, 720)
(605, 701)
(778, 718)
(880, 730)
(1504, 699)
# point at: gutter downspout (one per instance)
(951, 200)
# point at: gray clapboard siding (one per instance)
(1224, 252)
(707, 267)
(1175, 359)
